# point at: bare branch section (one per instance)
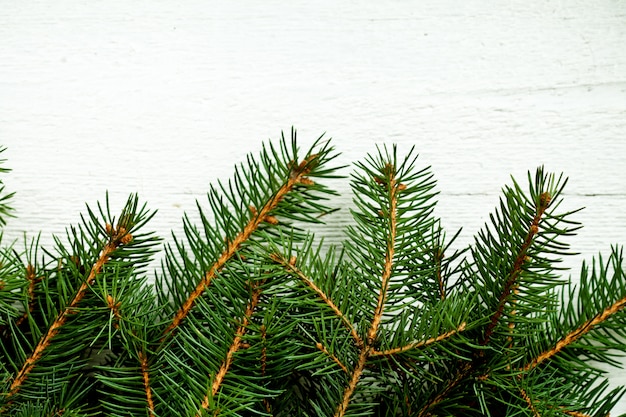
(290, 266)
(145, 373)
(511, 282)
(118, 237)
(577, 334)
(419, 344)
(234, 347)
(297, 176)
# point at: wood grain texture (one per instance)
(162, 99)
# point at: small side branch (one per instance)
(529, 402)
(577, 334)
(419, 344)
(511, 282)
(576, 413)
(290, 266)
(234, 347)
(460, 375)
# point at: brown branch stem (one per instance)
(463, 372)
(334, 358)
(145, 373)
(419, 344)
(366, 350)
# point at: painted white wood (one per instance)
(163, 98)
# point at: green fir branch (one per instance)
(250, 314)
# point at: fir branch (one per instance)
(529, 402)
(292, 269)
(118, 236)
(334, 358)
(297, 175)
(263, 335)
(354, 380)
(248, 318)
(512, 280)
(576, 334)
(234, 347)
(464, 370)
(420, 344)
(389, 182)
(393, 188)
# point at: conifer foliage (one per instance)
(251, 315)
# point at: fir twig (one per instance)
(511, 281)
(297, 176)
(420, 344)
(234, 347)
(291, 267)
(576, 334)
(118, 237)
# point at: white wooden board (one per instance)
(163, 98)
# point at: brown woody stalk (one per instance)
(423, 343)
(529, 401)
(463, 372)
(334, 358)
(297, 176)
(145, 373)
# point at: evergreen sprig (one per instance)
(250, 314)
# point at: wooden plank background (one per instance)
(163, 98)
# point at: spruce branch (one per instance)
(234, 347)
(576, 334)
(252, 315)
(274, 186)
(118, 237)
(511, 283)
(292, 269)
